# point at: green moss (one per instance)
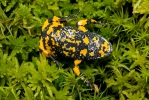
(26, 75)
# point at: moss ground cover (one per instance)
(27, 75)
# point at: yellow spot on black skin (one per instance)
(41, 44)
(50, 30)
(105, 44)
(45, 51)
(82, 28)
(101, 53)
(57, 44)
(54, 24)
(53, 41)
(95, 39)
(72, 37)
(78, 42)
(76, 70)
(66, 53)
(73, 49)
(42, 47)
(55, 18)
(46, 42)
(48, 48)
(86, 40)
(83, 52)
(53, 36)
(70, 41)
(76, 67)
(91, 53)
(64, 46)
(82, 22)
(66, 33)
(74, 31)
(58, 33)
(45, 24)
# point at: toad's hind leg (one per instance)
(79, 73)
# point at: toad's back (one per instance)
(76, 44)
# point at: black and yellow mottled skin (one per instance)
(79, 44)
